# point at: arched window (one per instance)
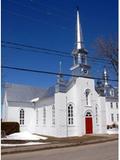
(112, 117)
(112, 92)
(70, 114)
(37, 116)
(96, 111)
(111, 105)
(44, 115)
(87, 92)
(88, 114)
(21, 116)
(83, 59)
(117, 117)
(53, 115)
(117, 105)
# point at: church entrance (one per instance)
(88, 123)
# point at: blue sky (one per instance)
(51, 24)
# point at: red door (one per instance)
(89, 127)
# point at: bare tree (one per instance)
(108, 49)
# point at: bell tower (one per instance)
(80, 66)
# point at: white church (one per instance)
(75, 107)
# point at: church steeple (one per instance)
(80, 66)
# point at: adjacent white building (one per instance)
(70, 108)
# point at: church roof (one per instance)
(24, 93)
(108, 91)
(46, 101)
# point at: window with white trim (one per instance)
(111, 105)
(112, 117)
(70, 114)
(112, 92)
(53, 115)
(96, 110)
(83, 59)
(117, 105)
(44, 115)
(87, 92)
(36, 115)
(117, 117)
(21, 117)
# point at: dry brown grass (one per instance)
(81, 139)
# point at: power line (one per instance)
(37, 20)
(27, 49)
(48, 13)
(48, 51)
(36, 51)
(52, 73)
(56, 7)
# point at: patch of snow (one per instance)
(34, 100)
(24, 136)
(25, 144)
(112, 131)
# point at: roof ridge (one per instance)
(23, 85)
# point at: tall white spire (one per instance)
(105, 76)
(79, 32)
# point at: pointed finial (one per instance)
(105, 76)
(60, 71)
(60, 75)
(105, 71)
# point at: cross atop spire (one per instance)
(79, 32)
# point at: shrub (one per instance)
(9, 127)
(113, 125)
